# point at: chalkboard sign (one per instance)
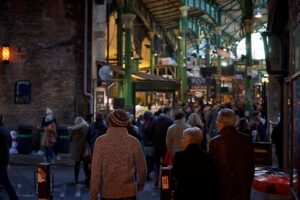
(22, 92)
(263, 153)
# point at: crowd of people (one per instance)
(211, 148)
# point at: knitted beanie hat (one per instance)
(118, 118)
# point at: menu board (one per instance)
(100, 105)
(296, 128)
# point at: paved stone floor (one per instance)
(22, 177)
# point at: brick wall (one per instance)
(46, 43)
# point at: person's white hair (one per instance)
(49, 111)
(227, 117)
(195, 135)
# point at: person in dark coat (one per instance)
(233, 153)
(147, 139)
(277, 138)
(5, 130)
(96, 129)
(5, 144)
(159, 129)
(133, 129)
(243, 126)
(258, 124)
(194, 170)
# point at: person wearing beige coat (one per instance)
(79, 147)
(174, 133)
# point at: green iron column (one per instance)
(248, 15)
(151, 35)
(248, 64)
(136, 63)
(128, 24)
(178, 54)
(120, 4)
(183, 27)
(164, 45)
(219, 67)
(197, 43)
(207, 52)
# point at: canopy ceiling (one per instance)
(167, 14)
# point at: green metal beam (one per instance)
(210, 9)
(143, 13)
(120, 11)
(183, 29)
(248, 7)
(194, 24)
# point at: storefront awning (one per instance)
(149, 82)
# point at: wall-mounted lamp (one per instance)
(5, 53)
(258, 13)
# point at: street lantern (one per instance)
(5, 53)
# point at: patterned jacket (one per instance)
(118, 165)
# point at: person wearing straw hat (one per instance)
(118, 165)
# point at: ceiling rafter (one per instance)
(152, 2)
(162, 5)
(172, 14)
(166, 12)
(229, 3)
(164, 8)
(170, 18)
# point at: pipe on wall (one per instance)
(85, 52)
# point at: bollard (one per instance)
(42, 181)
(165, 183)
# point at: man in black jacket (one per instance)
(96, 129)
(159, 130)
(194, 170)
(5, 144)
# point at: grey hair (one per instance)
(227, 116)
(195, 134)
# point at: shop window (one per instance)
(22, 92)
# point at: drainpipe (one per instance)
(85, 52)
